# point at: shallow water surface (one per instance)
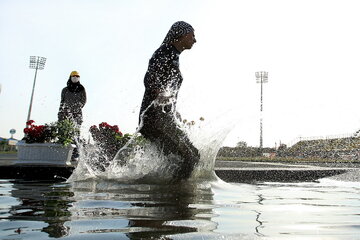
(103, 209)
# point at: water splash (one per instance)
(145, 163)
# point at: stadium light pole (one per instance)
(37, 63)
(261, 77)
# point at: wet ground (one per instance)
(230, 171)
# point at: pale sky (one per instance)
(310, 48)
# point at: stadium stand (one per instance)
(335, 148)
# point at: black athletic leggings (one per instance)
(162, 129)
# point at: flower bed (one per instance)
(62, 132)
(49, 144)
(109, 139)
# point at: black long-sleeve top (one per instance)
(163, 74)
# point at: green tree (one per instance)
(241, 144)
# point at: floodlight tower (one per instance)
(37, 63)
(261, 77)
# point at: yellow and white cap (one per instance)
(74, 73)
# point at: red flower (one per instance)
(30, 122)
(105, 132)
(36, 134)
(103, 125)
(115, 128)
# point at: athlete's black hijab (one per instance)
(176, 31)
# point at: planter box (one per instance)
(44, 153)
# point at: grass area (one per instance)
(283, 159)
(8, 152)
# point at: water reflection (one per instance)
(111, 210)
(134, 211)
(151, 210)
(258, 214)
(42, 201)
(258, 227)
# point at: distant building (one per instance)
(269, 154)
(8, 139)
(8, 144)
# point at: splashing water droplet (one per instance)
(145, 163)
